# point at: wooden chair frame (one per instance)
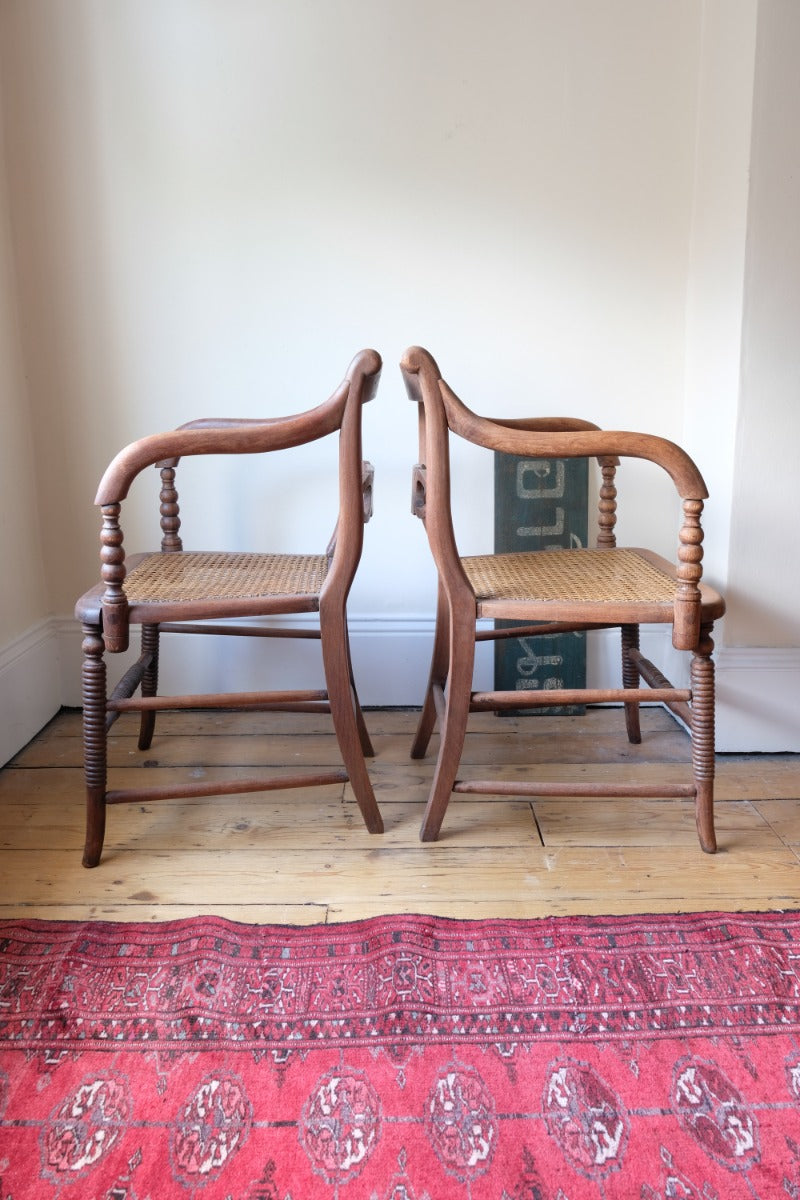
(449, 697)
(107, 611)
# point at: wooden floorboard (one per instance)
(304, 856)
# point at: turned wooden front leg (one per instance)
(94, 742)
(703, 737)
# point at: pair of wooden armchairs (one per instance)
(175, 590)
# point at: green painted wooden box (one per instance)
(540, 504)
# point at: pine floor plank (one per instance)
(254, 914)
(528, 908)
(424, 876)
(636, 821)
(291, 819)
(272, 821)
(783, 816)
(187, 750)
(778, 780)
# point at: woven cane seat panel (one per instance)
(571, 576)
(206, 575)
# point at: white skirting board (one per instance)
(30, 686)
(758, 690)
(758, 699)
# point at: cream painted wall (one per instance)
(217, 204)
(29, 656)
(743, 360)
(716, 281)
(764, 581)
(22, 589)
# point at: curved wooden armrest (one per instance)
(575, 443)
(549, 437)
(228, 422)
(556, 425)
(217, 423)
(166, 449)
(228, 436)
(545, 424)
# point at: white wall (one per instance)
(759, 665)
(764, 580)
(247, 193)
(216, 204)
(716, 280)
(29, 684)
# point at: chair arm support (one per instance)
(686, 624)
(115, 602)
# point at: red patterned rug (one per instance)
(402, 1058)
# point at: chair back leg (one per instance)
(94, 741)
(461, 653)
(440, 665)
(630, 679)
(343, 705)
(367, 748)
(147, 722)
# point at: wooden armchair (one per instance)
(558, 591)
(174, 590)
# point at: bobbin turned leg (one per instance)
(703, 737)
(147, 722)
(630, 679)
(94, 741)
